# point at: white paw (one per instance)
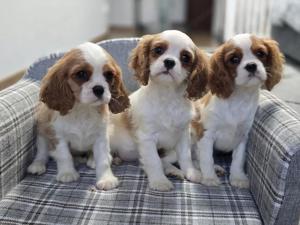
(193, 175)
(107, 183)
(174, 172)
(91, 163)
(37, 167)
(162, 184)
(211, 181)
(240, 181)
(67, 176)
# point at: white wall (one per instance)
(122, 11)
(34, 28)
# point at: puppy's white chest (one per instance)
(230, 121)
(229, 135)
(80, 130)
(174, 116)
(171, 122)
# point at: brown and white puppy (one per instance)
(76, 95)
(172, 71)
(240, 67)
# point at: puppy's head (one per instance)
(245, 61)
(171, 58)
(86, 74)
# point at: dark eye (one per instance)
(158, 50)
(82, 75)
(109, 75)
(234, 60)
(260, 54)
(185, 58)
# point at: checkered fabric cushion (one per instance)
(274, 161)
(17, 132)
(42, 200)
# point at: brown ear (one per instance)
(55, 91)
(198, 78)
(119, 98)
(221, 82)
(274, 65)
(139, 59)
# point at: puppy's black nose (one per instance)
(98, 90)
(251, 67)
(169, 63)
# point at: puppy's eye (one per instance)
(158, 50)
(185, 58)
(82, 75)
(260, 54)
(109, 76)
(234, 60)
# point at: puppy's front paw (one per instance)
(67, 176)
(162, 184)
(240, 181)
(108, 183)
(37, 167)
(193, 175)
(211, 181)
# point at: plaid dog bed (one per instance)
(273, 165)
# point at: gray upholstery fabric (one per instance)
(44, 201)
(290, 210)
(17, 132)
(120, 49)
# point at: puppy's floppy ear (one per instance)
(119, 98)
(55, 91)
(139, 59)
(221, 81)
(198, 78)
(275, 61)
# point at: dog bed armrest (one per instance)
(17, 132)
(273, 161)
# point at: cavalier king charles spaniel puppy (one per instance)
(171, 71)
(239, 68)
(75, 98)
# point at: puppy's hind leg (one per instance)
(91, 161)
(169, 168)
(38, 166)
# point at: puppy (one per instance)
(240, 67)
(171, 70)
(76, 95)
